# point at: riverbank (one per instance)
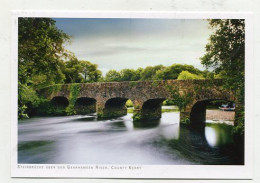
(218, 116)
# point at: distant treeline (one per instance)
(158, 72)
(79, 71)
(86, 72)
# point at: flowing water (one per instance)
(86, 140)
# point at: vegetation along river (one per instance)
(87, 140)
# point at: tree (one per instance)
(184, 75)
(148, 73)
(128, 75)
(112, 75)
(138, 73)
(225, 55)
(80, 71)
(207, 74)
(40, 50)
(40, 58)
(72, 71)
(89, 71)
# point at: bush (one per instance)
(129, 103)
(187, 75)
(168, 102)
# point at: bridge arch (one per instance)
(149, 113)
(59, 104)
(151, 108)
(198, 110)
(113, 107)
(85, 105)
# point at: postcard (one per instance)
(132, 95)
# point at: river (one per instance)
(86, 140)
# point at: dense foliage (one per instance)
(40, 59)
(79, 71)
(40, 51)
(158, 72)
(187, 75)
(225, 55)
(43, 61)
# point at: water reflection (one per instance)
(218, 134)
(211, 136)
(84, 139)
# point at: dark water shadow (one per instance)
(144, 124)
(193, 146)
(33, 144)
(116, 126)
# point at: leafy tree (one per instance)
(138, 74)
(89, 71)
(225, 54)
(219, 75)
(207, 74)
(80, 71)
(40, 50)
(149, 72)
(184, 75)
(112, 75)
(72, 71)
(128, 75)
(40, 58)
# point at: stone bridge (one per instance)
(108, 99)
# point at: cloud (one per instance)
(112, 50)
(133, 43)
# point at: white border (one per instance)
(151, 171)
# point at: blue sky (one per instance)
(132, 43)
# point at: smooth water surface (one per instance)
(86, 140)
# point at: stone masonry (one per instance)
(147, 97)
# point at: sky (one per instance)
(115, 43)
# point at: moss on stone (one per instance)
(180, 99)
(155, 83)
(137, 116)
(111, 114)
(133, 84)
(74, 93)
(185, 120)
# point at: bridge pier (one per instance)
(198, 113)
(193, 117)
(185, 117)
(195, 113)
(240, 108)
